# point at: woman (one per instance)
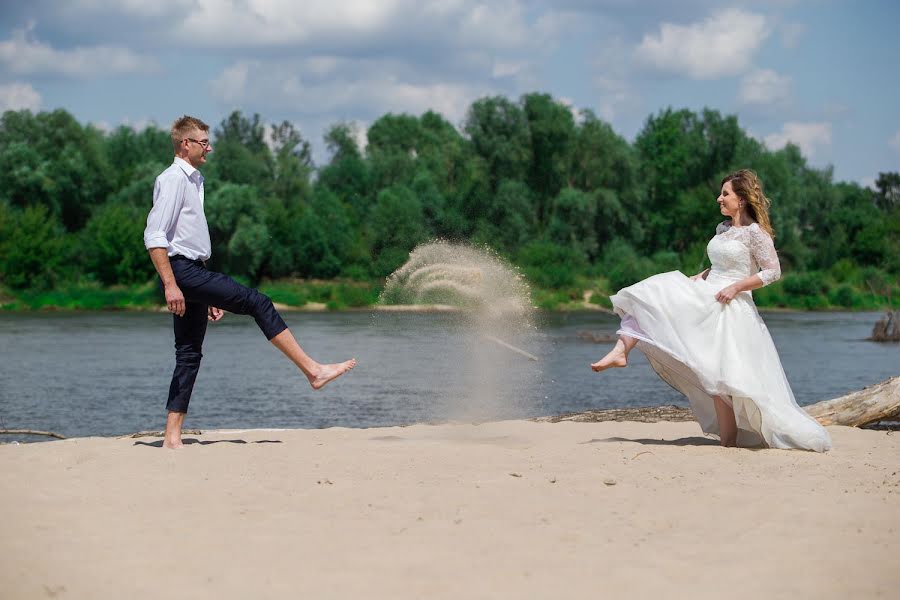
(704, 337)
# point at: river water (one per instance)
(108, 373)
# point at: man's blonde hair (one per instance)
(183, 126)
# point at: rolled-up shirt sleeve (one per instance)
(168, 198)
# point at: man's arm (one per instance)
(174, 297)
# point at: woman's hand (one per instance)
(215, 314)
(727, 294)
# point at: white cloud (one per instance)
(357, 87)
(868, 182)
(135, 8)
(231, 85)
(895, 141)
(19, 96)
(360, 132)
(721, 45)
(615, 94)
(791, 34)
(352, 26)
(808, 136)
(764, 87)
(507, 68)
(22, 54)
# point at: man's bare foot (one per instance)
(615, 358)
(172, 436)
(328, 373)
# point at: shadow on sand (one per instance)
(688, 441)
(159, 443)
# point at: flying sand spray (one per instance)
(491, 302)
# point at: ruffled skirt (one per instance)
(704, 348)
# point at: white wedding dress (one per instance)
(703, 348)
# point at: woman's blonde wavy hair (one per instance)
(747, 185)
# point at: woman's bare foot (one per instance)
(172, 444)
(617, 357)
(328, 373)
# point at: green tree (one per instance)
(397, 226)
(34, 249)
(552, 133)
(498, 131)
(112, 245)
(572, 222)
(240, 153)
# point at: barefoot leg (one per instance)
(317, 373)
(618, 356)
(727, 423)
(173, 430)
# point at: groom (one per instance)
(177, 238)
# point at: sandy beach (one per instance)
(512, 509)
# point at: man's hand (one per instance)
(215, 314)
(727, 294)
(174, 300)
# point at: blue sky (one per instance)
(819, 73)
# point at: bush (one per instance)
(622, 266)
(803, 284)
(844, 295)
(816, 302)
(33, 248)
(113, 246)
(548, 265)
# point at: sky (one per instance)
(819, 73)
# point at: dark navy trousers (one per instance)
(203, 288)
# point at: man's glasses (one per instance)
(204, 143)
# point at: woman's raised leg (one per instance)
(618, 356)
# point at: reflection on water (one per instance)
(108, 373)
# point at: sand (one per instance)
(511, 509)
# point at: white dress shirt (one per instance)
(176, 221)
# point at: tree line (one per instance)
(563, 196)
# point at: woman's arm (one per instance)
(727, 293)
(763, 250)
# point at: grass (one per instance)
(801, 293)
(335, 295)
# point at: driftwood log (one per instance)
(141, 434)
(52, 434)
(647, 414)
(879, 402)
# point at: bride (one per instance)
(704, 337)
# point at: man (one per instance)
(177, 238)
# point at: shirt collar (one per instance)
(188, 169)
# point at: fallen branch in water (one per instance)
(509, 346)
(52, 434)
(887, 329)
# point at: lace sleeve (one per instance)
(763, 250)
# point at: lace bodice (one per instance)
(739, 252)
